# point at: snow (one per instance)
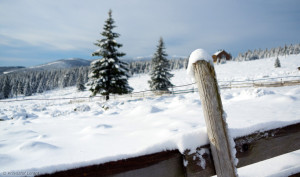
(62, 63)
(196, 55)
(200, 156)
(185, 163)
(49, 135)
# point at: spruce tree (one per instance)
(65, 80)
(80, 84)
(6, 88)
(160, 73)
(277, 63)
(109, 74)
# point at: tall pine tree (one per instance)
(160, 73)
(109, 74)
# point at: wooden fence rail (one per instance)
(145, 94)
(252, 148)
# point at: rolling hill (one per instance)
(59, 64)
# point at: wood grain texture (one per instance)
(213, 113)
(265, 145)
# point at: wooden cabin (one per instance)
(221, 54)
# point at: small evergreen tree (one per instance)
(160, 73)
(80, 84)
(277, 63)
(6, 88)
(109, 74)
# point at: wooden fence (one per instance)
(252, 148)
(216, 157)
(182, 89)
(257, 83)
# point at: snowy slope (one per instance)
(6, 69)
(59, 64)
(63, 63)
(50, 135)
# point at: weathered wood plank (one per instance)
(264, 145)
(252, 148)
(214, 118)
(164, 164)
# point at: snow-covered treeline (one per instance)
(274, 52)
(35, 81)
(138, 67)
(30, 82)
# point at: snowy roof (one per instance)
(218, 52)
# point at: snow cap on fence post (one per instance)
(196, 55)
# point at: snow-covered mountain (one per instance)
(5, 69)
(58, 64)
(62, 64)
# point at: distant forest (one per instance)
(30, 82)
(267, 53)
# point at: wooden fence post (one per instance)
(214, 117)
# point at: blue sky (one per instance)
(34, 32)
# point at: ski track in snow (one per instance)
(46, 136)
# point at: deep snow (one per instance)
(46, 136)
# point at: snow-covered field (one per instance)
(50, 135)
